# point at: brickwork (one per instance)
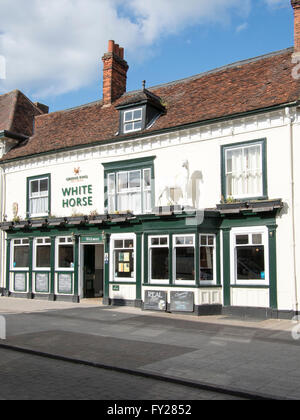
(114, 73)
(296, 7)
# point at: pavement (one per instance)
(245, 357)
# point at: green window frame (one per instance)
(243, 146)
(112, 172)
(30, 180)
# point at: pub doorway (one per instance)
(92, 273)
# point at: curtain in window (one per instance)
(39, 205)
(244, 172)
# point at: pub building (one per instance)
(181, 197)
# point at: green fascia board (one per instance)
(156, 132)
(129, 164)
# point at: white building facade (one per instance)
(199, 217)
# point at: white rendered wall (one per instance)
(201, 147)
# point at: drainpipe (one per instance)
(291, 125)
(2, 210)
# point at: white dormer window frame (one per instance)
(132, 120)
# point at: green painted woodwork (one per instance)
(146, 225)
(106, 266)
(33, 178)
(127, 165)
(139, 273)
(8, 250)
(30, 264)
(273, 267)
(226, 267)
(76, 264)
(52, 261)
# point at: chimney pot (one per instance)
(111, 46)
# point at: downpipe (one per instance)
(291, 135)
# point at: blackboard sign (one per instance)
(182, 302)
(42, 283)
(65, 283)
(155, 300)
(20, 282)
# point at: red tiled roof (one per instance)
(247, 86)
(17, 113)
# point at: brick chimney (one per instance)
(114, 73)
(296, 7)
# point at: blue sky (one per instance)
(61, 65)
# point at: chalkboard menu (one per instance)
(42, 283)
(155, 300)
(182, 302)
(65, 283)
(20, 282)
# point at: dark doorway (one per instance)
(93, 271)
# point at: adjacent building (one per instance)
(181, 197)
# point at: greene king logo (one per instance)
(2, 328)
(2, 67)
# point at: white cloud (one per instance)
(55, 46)
(242, 27)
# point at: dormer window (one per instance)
(133, 120)
(139, 112)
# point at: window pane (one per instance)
(180, 240)
(206, 263)
(44, 185)
(119, 244)
(164, 241)
(185, 263)
(211, 240)
(137, 115)
(21, 256)
(203, 240)
(111, 183)
(124, 264)
(155, 241)
(250, 263)
(123, 181)
(34, 187)
(25, 241)
(147, 178)
(43, 256)
(129, 127)
(257, 239)
(128, 116)
(189, 240)
(66, 257)
(129, 244)
(138, 125)
(135, 179)
(242, 239)
(160, 263)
